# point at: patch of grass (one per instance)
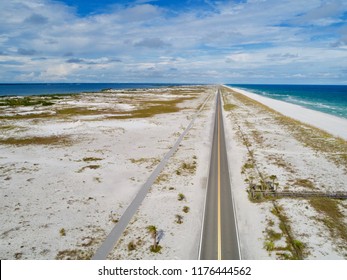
(78, 111)
(327, 206)
(75, 254)
(229, 107)
(92, 166)
(24, 101)
(189, 166)
(161, 178)
(269, 245)
(304, 183)
(248, 165)
(155, 249)
(296, 248)
(333, 217)
(185, 209)
(131, 246)
(27, 116)
(8, 127)
(274, 235)
(89, 159)
(152, 162)
(186, 168)
(62, 232)
(153, 107)
(179, 219)
(37, 140)
(298, 245)
(181, 196)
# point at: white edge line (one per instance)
(208, 176)
(233, 203)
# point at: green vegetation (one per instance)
(27, 116)
(269, 245)
(153, 107)
(296, 247)
(229, 107)
(185, 209)
(8, 127)
(187, 168)
(78, 111)
(333, 147)
(155, 248)
(304, 183)
(179, 219)
(273, 235)
(89, 159)
(24, 101)
(181, 196)
(62, 232)
(151, 162)
(333, 217)
(75, 254)
(37, 140)
(131, 246)
(161, 178)
(92, 166)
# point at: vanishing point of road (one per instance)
(219, 239)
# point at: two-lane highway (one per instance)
(219, 234)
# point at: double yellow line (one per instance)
(219, 209)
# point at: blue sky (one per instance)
(201, 41)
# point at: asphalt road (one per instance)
(219, 239)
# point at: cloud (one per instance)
(26, 51)
(75, 60)
(283, 55)
(152, 43)
(239, 57)
(226, 40)
(102, 60)
(36, 19)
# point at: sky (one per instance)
(188, 41)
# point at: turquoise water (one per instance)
(61, 88)
(330, 99)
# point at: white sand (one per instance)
(277, 152)
(46, 188)
(332, 124)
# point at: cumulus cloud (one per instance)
(36, 19)
(230, 39)
(152, 43)
(22, 51)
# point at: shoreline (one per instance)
(329, 123)
(265, 145)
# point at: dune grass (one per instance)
(332, 217)
(334, 148)
(25, 101)
(37, 140)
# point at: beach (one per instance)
(69, 170)
(332, 124)
(70, 166)
(299, 158)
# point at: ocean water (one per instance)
(64, 88)
(330, 99)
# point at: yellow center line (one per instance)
(219, 210)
